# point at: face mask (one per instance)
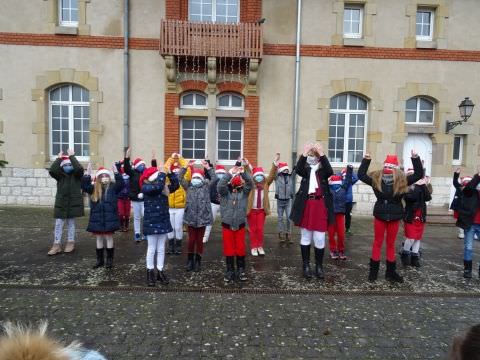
(68, 169)
(220, 176)
(196, 182)
(259, 178)
(285, 172)
(141, 168)
(312, 160)
(105, 180)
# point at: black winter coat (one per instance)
(104, 213)
(388, 206)
(469, 205)
(69, 199)
(156, 218)
(134, 178)
(416, 198)
(301, 197)
(457, 198)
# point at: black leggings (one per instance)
(348, 214)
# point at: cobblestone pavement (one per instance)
(287, 318)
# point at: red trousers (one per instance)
(256, 222)
(337, 228)
(195, 240)
(380, 228)
(123, 208)
(233, 242)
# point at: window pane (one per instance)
(74, 15)
(223, 125)
(419, 30)
(201, 100)
(362, 104)
(64, 123)
(412, 104)
(353, 102)
(55, 95)
(426, 105)
(85, 125)
(77, 125)
(234, 155)
(223, 145)
(77, 137)
(426, 116)
(223, 155)
(187, 144)
(223, 135)
(235, 125)
(410, 116)
(187, 124)
(76, 93)
(55, 136)
(223, 101)
(55, 111)
(77, 112)
(194, 18)
(236, 135)
(188, 99)
(65, 15)
(188, 154)
(235, 145)
(199, 154)
(55, 124)
(65, 137)
(64, 93)
(86, 137)
(195, 8)
(232, 11)
(200, 134)
(221, 10)
(199, 144)
(342, 101)
(456, 148)
(236, 101)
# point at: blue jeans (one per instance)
(468, 241)
(284, 207)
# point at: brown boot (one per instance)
(69, 246)
(56, 249)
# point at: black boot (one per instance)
(190, 262)
(230, 273)
(373, 273)
(415, 260)
(178, 247)
(151, 277)
(171, 246)
(467, 269)
(319, 263)
(162, 277)
(405, 258)
(127, 223)
(109, 263)
(307, 272)
(241, 268)
(100, 262)
(197, 266)
(391, 272)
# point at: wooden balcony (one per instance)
(184, 38)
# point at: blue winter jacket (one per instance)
(156, 218)
(340, 193)
(349, 195)
(103, 213)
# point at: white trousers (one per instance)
(156, 243)
(59, 230)
(208, 229)
(107, 238)
(137, 215)
(412, 244)
(176, 219)
(317, 237)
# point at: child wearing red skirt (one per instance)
(415, 218)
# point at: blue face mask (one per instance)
(220, 176)
(259, 178)
(140, 169)
(68, 169)
(196, 182)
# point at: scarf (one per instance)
(313, 183)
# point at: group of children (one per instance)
(180, 193)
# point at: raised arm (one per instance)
(55, 170)
(271, 174)
(417, 169)
(174, 183)
(181, 177)
(210, 172)
(156, 187)
(301, 168)
(328, 171)
(248, 183)
(222, 186)
(118, 182)
(348, 177)
(86, 184)
(456, 177)
(363, 169)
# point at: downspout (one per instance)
(297, 91)
(126, 76)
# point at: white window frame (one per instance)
(62, 22)
(230, 106)
(346, 136)
(417, 112)
(460, 152)
(360, 28)
(432, 23)
(214, 12)
(194, 106)
(71, 131)
(242, 123)
(200, 118)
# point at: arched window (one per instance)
(230, 101)
(193, 100)
(69, 113)
(347, 128)
(419, 110)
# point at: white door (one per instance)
(422, 144)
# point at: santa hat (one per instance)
(149, 174)
(391, 162)
(65, 161)
(335, 180)
(103, 171)
(282, 166)
(198, 173)
(137, 162)
(465, 180)
(258, 171)
(220, 169)
(410, 171)
(236, 181)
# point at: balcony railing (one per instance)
(184, 38)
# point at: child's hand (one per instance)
(413, 153)
(205, 164)
(70, 152)
(276, 159)
(128, 152)
(114, 169)
(306, 149)
(458, 170)
(89, 169)
(319, 148)
(60, 154)
(191, 162)
(367, 156)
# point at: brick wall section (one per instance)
(176, 9)
(194, 85)
(250, 10)
(172, 125)
(250, 130)
(230, 86)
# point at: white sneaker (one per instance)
(261, 252)
(254, 252)
(461, 234)
(475, 237)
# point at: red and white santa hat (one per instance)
(198, 173)
(391, 162)
(102, 171)
(220, 169)
(149, 174)
(282, 166)
(335, 180)
(65, 161)
(258, 171)
(137, 162)
(465, 180)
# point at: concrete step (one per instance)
(440, 215)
